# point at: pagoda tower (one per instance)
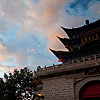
(83, 41)
(78, 77)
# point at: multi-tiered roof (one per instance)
(82, 41)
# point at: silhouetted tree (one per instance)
(19, 85)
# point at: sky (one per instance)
(28, 28)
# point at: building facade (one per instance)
(78, 77)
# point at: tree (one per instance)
(1, 89)
(19, 85)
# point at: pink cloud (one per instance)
(7, 69)
(32, 50)
(11, 69)
(94, 8)
(28, 50)
(3, 51)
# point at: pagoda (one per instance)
(83, 41)
(78, 77)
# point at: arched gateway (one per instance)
(90, 91)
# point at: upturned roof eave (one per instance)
(71, 32)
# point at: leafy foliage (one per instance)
(19, 85)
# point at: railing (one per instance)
(74, 63)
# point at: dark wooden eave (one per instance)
(68, 32)
(65, 56)
(65, 41)
(76, 32)
(60, 54)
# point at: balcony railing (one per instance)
(87, 61)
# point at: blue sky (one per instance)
(28, 28)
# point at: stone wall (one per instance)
(64, 81)
(58, 89)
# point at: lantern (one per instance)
(66, 46)
(60, 60)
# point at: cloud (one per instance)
(12, 68)
(3, 50)
(94, 9)
(45, 17)
(31, 27)
(8, 69)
